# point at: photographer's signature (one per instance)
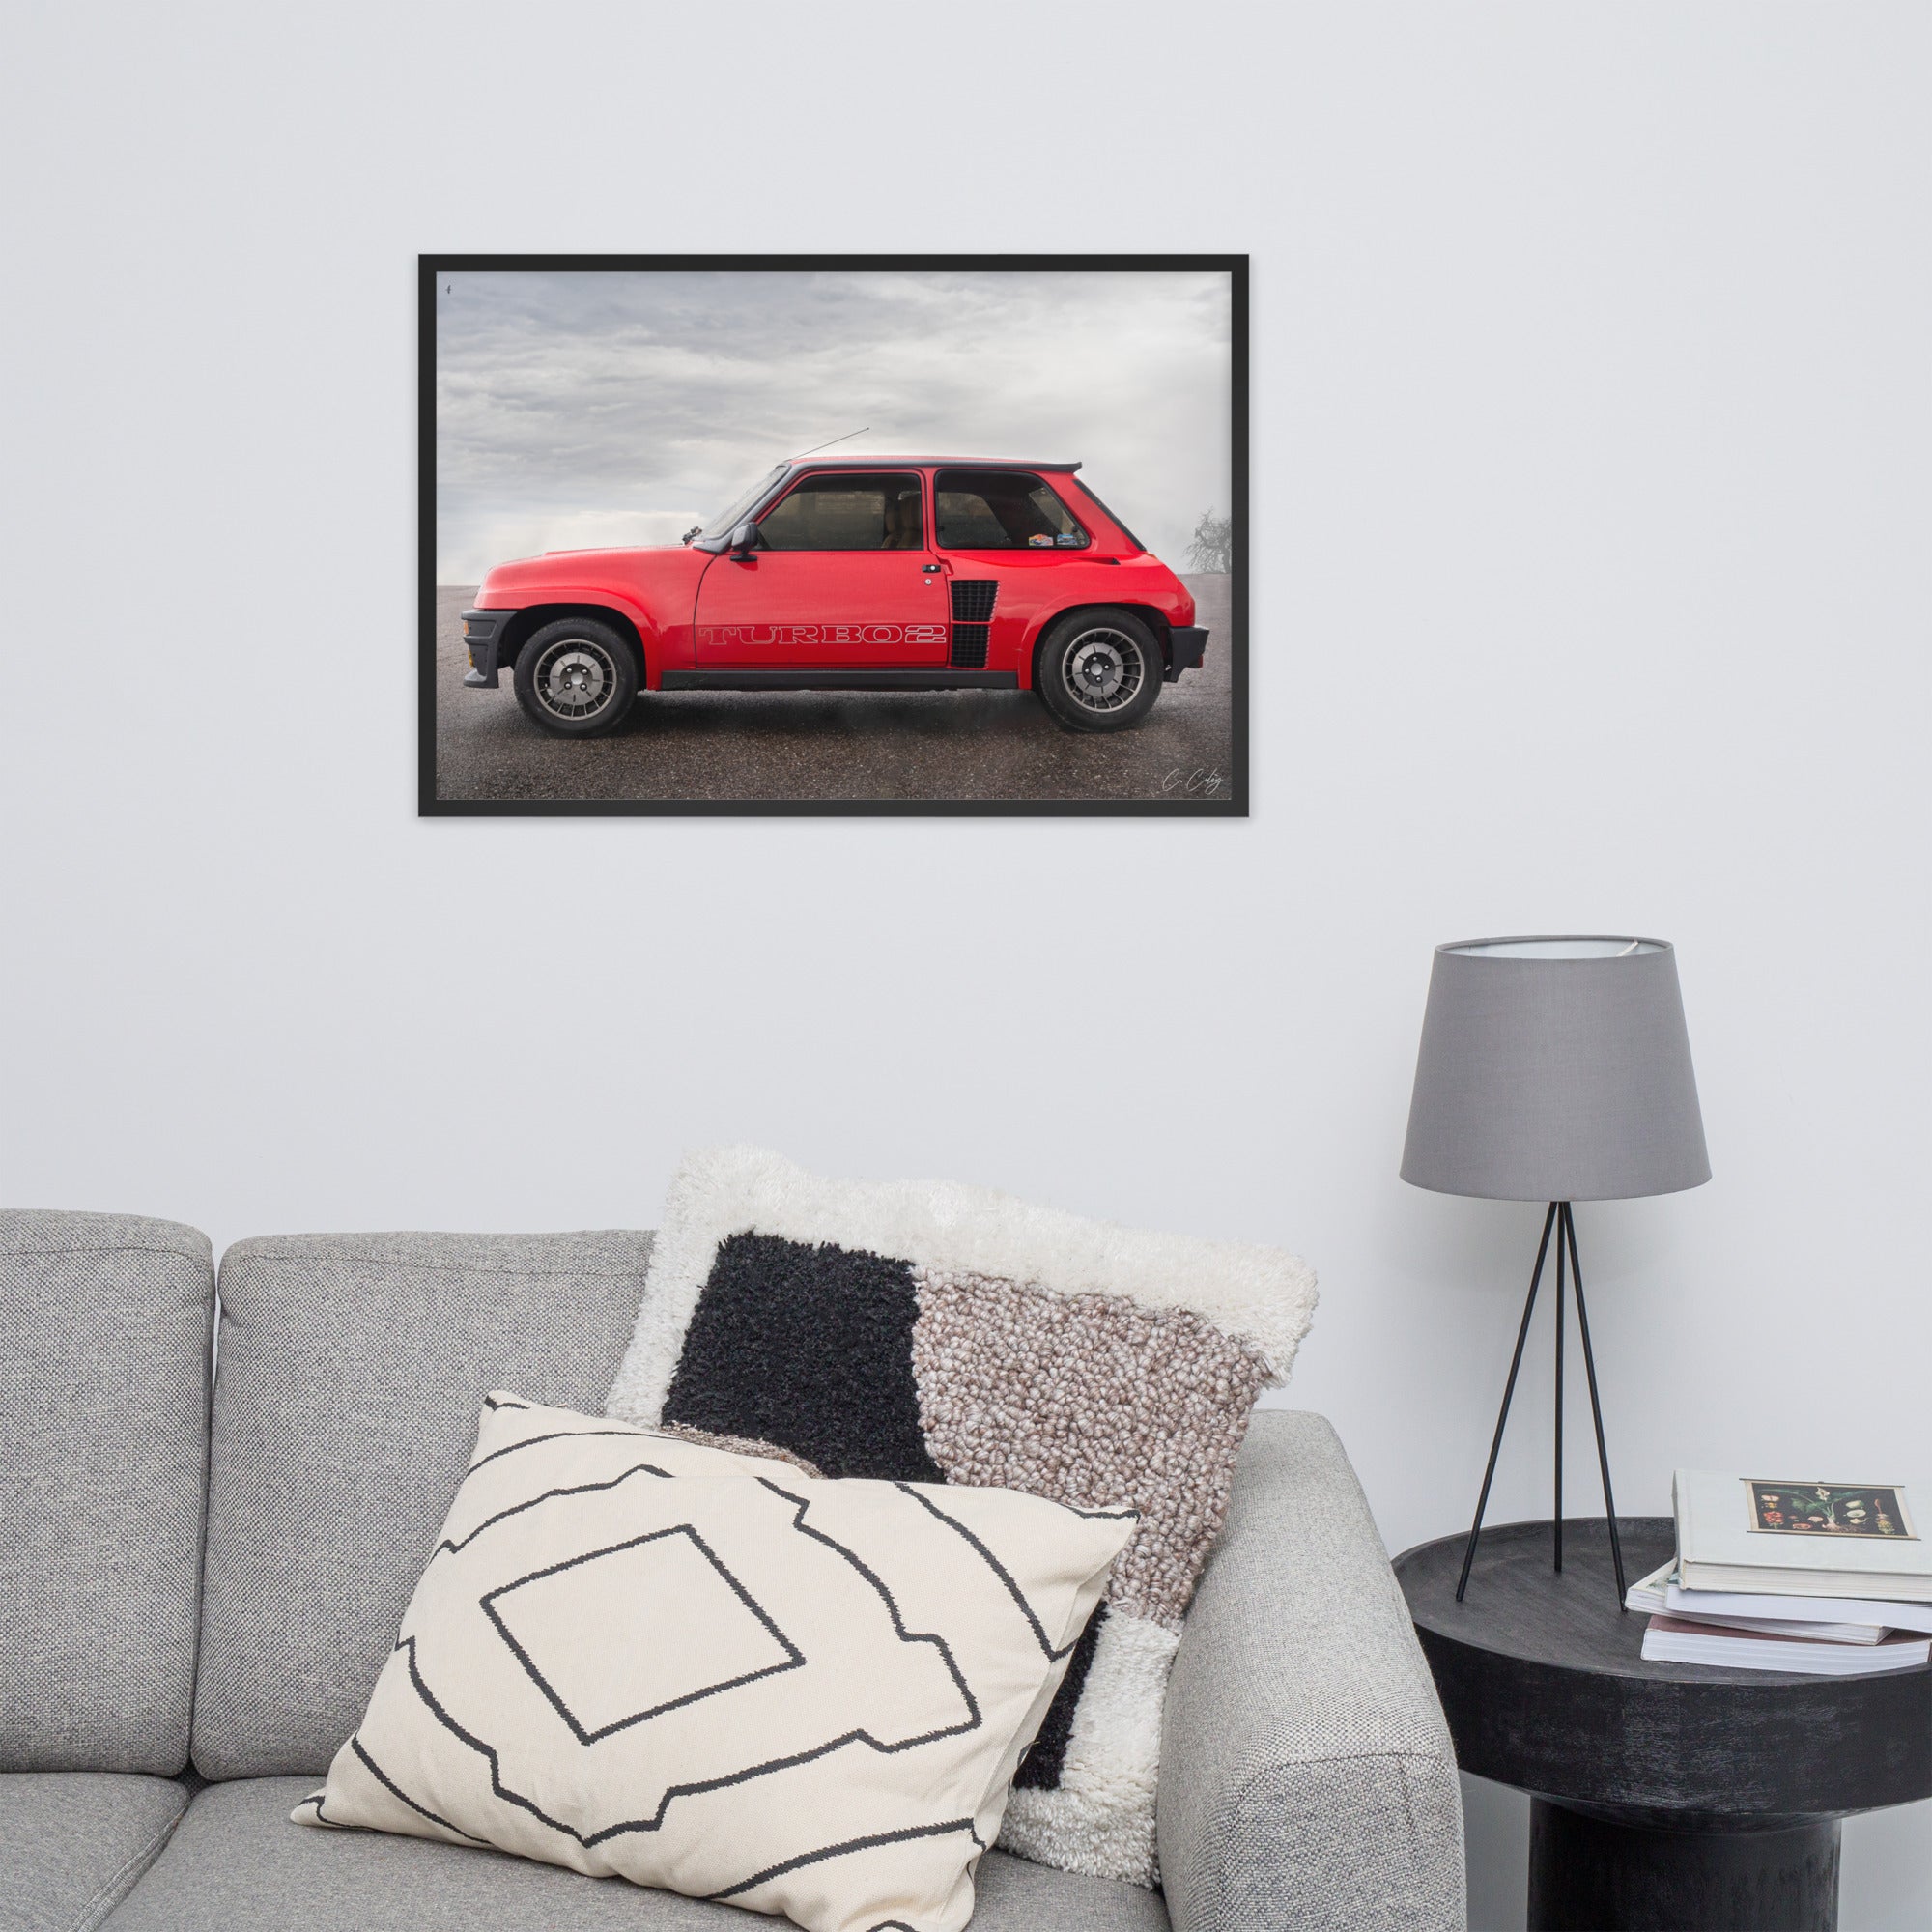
(1200, 782)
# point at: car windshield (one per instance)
(727, 520)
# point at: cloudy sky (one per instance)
(621, 408)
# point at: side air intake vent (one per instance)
(973, 599)
(972, 610)
(969, 647)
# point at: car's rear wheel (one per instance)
(1099, 670)
(576, 677)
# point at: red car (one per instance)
(908, 573)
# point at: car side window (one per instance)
(1002, 509)
(856, 511)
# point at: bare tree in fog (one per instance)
(1212, 545)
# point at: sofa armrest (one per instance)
(1307, 1779)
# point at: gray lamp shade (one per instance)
(1554, 1069)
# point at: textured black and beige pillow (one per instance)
(638, 1656)
(934, 1333)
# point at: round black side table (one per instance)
(1671, 1797)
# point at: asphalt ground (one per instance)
(805, 746)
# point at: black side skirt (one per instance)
(758, 678)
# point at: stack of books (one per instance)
(1827, 1578)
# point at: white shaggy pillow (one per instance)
(638, 1656)
(927, 1332)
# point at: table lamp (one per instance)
(1554, 1069)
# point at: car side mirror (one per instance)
(744, 538)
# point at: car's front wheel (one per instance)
(576, 677)
(1099, 670)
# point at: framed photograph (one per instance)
(761, 534)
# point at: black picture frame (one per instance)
(429, 267)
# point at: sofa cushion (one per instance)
(351, 1367)
(237, 1865)
(72, 1842)
(104, 1410)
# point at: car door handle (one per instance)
(930, 568)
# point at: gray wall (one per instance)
(1591, 419)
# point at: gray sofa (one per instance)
(201, 1574)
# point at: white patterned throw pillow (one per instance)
(641, 1656)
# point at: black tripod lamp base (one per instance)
(1562, 1223)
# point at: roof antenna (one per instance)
(846, 437)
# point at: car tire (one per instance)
(576, 677)
(1098, 669)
